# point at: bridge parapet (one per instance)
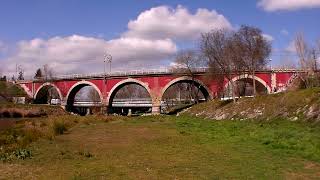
(162, 71)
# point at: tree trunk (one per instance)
(254, 83)
(233, 92)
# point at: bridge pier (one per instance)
(155, 110)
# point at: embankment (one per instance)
(301, 105)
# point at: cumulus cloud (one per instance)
(79, 54)
(148, 42)
(165, 22)
(276, 5)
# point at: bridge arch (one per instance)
(204, 89)
(75, 88)
(248, 76)
(121, 84)
(42, 88)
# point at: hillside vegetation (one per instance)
(9, 90)
(303, 105)
(9, 110)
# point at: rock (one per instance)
(220, 117)
(312, 112)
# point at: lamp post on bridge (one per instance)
(269, 61)
(107, 59)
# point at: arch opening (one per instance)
(84, 99)
(183, 93)
(130, 98)
(48, 94)
(243, 87)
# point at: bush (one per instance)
(17, 154)
(59, 127)
(16, 114)
(5, 114)
(31, 134)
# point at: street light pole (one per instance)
(107, 58)
(270, 60)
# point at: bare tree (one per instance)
(254, 50)
(93, 95)
(313, 59)
(232, 53)
(130, 91)
(38, 74)
(308, 60)
(216, 46)
(48, 72)
(186, 62)
(21, 74)
(302, 50)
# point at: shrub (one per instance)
(17, 154)
(31, 133)
(6, 114)
(16, 114)
(59, 127)
(86, 154)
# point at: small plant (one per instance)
(22, 154)
(59, 127)
(17, 154)
(30, 134)
(86, 154)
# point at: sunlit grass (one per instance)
(169, 147)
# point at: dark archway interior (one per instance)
(183, 93)
(130, 97)
(86, 98)
(244, 87)
(46, 94)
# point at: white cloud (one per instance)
(79, 54)
(276, 5)
(148, 42)
(268, 37)
(165, 22)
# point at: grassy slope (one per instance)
(302, 104)
(49, 110)
(10, 90)
(167, 147)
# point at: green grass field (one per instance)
(170, 147)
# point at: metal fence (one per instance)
(141, 72)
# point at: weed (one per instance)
(86, 154)
(59, 127)
(17, 154)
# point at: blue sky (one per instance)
(95, 20)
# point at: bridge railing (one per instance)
(142, 72)
(126, 73)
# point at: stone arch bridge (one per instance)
(155, 82)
